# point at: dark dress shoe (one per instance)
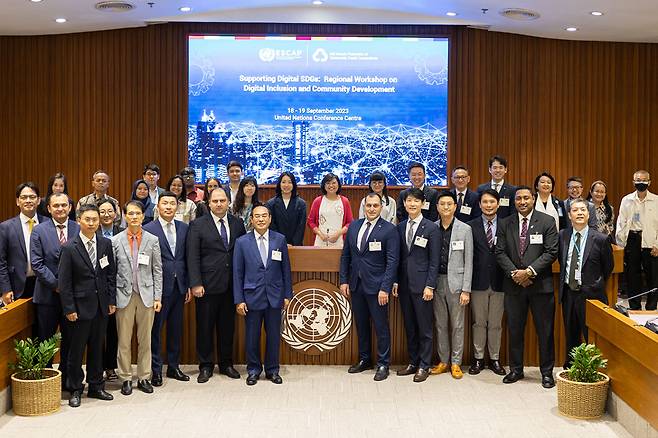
(156, 380)
(74, 401)
(110, 375)
(513, 376)
(127, 387)
(176, 373)
(381, 373)
(547, 381)
(421, 375)
(230, 372)
(204, 375)
(476, 367)
(409, 370)
(274, 378)
(359, 367)
(496, 367)
(100, 395)
(252, 379)
(145, 386)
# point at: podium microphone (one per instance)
(624, 310)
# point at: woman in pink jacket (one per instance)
(330, 214)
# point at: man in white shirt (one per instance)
(637, 233)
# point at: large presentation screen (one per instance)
(313, 105)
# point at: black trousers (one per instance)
(111, 346)
(215, 316)
(172, 313)
(542, 307)
(365, 307)
(87, 334)
(28, 290)
(417, 315)
(573, 315)
(639, 259)
(49, 319)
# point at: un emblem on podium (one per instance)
(318, 318)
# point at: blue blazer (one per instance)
(291, 221)
(375, 269)
(13, 256)
(486, 272)
(261, 287)
(174, 266)
(44, 257)
(419, 268)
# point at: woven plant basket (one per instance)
(37, 397)
(580, 400)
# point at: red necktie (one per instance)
(523, 239)
(62, 236)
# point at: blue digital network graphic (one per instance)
(347, 106)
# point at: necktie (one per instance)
(495, 187)
(171, 237)
(523, 239)
(573, 265)
(92, 253)
(223, 233)
(410, 234)
(364, 237)
(62, 236)
(460, 200)
(134, 251)
(30, 225)
(262, 250)
(107, 233)
(490, 239)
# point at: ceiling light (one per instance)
(451, 14)
(36, 1)
(317, 2)
(571, 29)
(185, 9)
(60, 20)
(596, 13)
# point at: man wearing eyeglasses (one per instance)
(575, 190)
(193, 193)
(17, 278)
(468, 201)
(152, 175)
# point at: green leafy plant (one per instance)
(587, 360)
(32, 356)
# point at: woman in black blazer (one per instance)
(546, 202)
(288, 210)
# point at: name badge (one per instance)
(636, 217)
(143, 259)
(465, 209)
(426, 205)
(103, 262)
(420, 241)
(536, 239)
(559, 212)
(504, 202)
(276, 255)
(457, 245)
(375, 246)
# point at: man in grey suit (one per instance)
(526, 247)
(455, 240)
(139, 295)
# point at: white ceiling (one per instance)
(629, 20)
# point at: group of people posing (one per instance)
(434, 251)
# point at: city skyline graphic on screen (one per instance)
(313, 105)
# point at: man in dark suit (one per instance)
(526, 247)
(172, 235)
(417, 277)
(151, 175)
(235, 175)
(45, 247)
(108, 228)
(368, 268)
(487, 297)
(586, 262)
(210, 242)
(87, 289)
(498, 169)
(17, 278)
(262, 286)
(417, 178)
(468, 201)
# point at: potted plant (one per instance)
(582, 390)
(35, 389)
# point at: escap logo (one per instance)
(266, 54)
(320, 55)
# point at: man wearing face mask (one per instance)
(637, 233)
